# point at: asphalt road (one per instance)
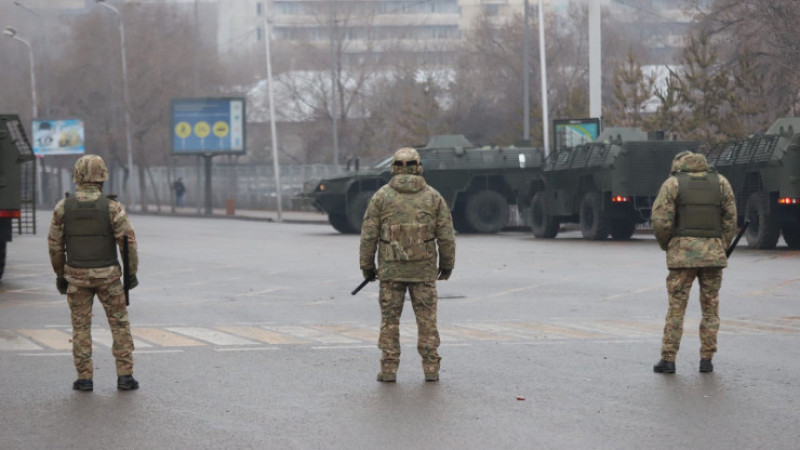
(247, 337)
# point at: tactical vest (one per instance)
(90, 238)
(698, 210)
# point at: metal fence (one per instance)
(249, 186)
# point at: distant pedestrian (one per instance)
(694, 220)
(180, 190)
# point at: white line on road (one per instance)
(245, 349)
(151, 352)
(45, 354)
(212, 336)
(341, 347)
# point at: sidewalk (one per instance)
(313, 217)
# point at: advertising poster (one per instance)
(208, 125)
(58, 137)
(572, 132)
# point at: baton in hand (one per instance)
(361, 286)
(736, 239)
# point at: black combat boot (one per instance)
(706, 366)
(127, 383)
(83, 385)
(664, 367)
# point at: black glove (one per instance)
(369, 274)
(132, 282)
(62, 285)
(444, 274)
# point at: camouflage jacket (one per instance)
(686, 252)
(57, 243)
(404, 222)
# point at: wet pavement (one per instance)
(247, 337)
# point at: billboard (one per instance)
(208, 125)
(572, 132)
(58, 137)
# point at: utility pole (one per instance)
(334, 84)
(526, 76)
(543, 62)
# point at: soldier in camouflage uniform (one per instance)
(694, 221)
(84, 232)
(404, 222)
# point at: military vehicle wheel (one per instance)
(356, 209)
(486, 212)
(2, 258)
(763, 231)
(340, 224)
(791, 234)
(542, 224)
(594, 224)
(459, 221)
(622, 229)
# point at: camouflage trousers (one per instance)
(423, 300)
(679, 284)
(112, 297)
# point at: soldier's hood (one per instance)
(692, 163)
(407, 183)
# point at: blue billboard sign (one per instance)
(208, 125)
(58, 137)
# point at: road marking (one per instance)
(341, 347)
(164, 338)
(243, 349)
(469, 333)
(760, 327)
(313, 334)
(262, 335)
(45, 354)
(213, 336)
(55, 339)
(561, 330)
(103, 337)
(12, 341)
(152, 352)
(772, 288)
(505, 330)
(636, 292)
(363, 334)
(609, 329)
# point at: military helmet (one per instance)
(674, 169)
(90, 169)
(406, 160)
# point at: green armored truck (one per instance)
(478, 183)
(764, 171)
(607, 187)
(15, 149)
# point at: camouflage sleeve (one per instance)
(445, 235)
(56, 242)
(370, 232)
(728, 211)
(663, 215)
(122, 226)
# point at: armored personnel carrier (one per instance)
(15, 150)
(607, 187)
(478, 183)
(764, 171)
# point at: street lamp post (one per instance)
(46, 56)
(273, 132)
(12, 33)
(126, 98)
